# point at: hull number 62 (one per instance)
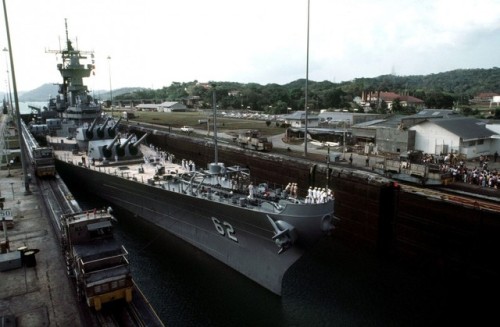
(224, 228)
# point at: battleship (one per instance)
(221, 210)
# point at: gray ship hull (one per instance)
(240, 237)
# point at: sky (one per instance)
(152, 43)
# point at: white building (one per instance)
(495, 128)
(147, 107)
(170, 106)
(467, 136)
(298, 119)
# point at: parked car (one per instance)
(186, 129)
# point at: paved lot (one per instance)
(39, 295)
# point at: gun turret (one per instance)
(107, 151)
(89, 133)
(133, 148)
(101, 128)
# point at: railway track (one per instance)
(126, 315)
(58, 200)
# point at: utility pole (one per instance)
(8, 78)
(16, 101)
(110, 88)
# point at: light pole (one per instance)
(8, 76)
(110, 88)
(307, 79)
(343, 143)
(27, 190)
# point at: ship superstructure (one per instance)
(74, 101)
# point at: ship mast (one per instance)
(307, 80)
(216, 154)
(68, 43)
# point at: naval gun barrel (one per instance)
(117, 122)
(100, 129)
(112, 130)
(127, 141)
(134, 147)
(136, 143)
(110, 145)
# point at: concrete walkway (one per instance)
(39, 295)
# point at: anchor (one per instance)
(285, 234)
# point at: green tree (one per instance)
(333, 98)
(440, 90)
(383, 107)
(397, 106)
(280, 107)
(439, 100)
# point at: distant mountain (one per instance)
(45, 91)
(41, 93)
(104, 95)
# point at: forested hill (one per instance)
(442, 90)
(460, 82)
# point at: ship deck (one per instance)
(140, 169)
(160, 169)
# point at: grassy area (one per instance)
(226, 125)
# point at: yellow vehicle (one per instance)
(96, 261)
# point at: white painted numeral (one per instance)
(218, 226)
(224, 228)
(230, 231)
